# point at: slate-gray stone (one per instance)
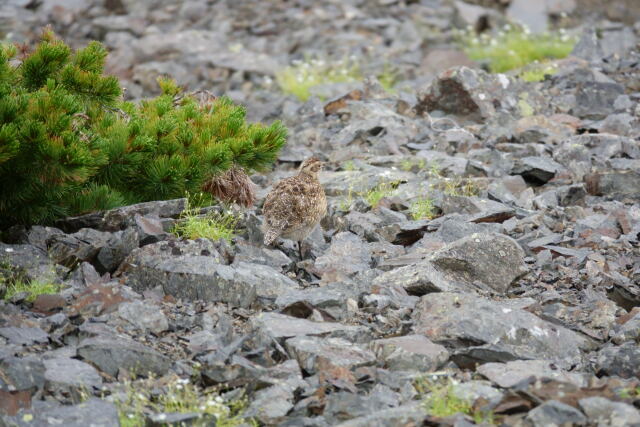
(144, 316)
(312, 352)
(109, 354)
(64, 374)
(555, 413)
(280, 326)
(604, 412)
(21, 373)
(410, 352)
(24, 336)
(623, 361)
(91, 413)
(478, 329)
(483, 262)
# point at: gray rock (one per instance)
(595, 100)
(628, 331)
(347, 256)
(484, 262)
(604, 412)
(271, 404)
(332, 298)
(28, 261)
(410, 414)
(471, 391)
(116, 249)
(410, 352)
(279, 326)
(150, 229)
(194, 270)
(21, 373)
(24, 336)
(109, 354)
(312, 353)
(509, 374)
(454, 227)
(506, 332)
(475, 209)
(492, 259)
(268, 282)
(82, 246)
(258, 254)
(65, 374)
(465, 92)
(123, 217)
(144, 316)
(623, 361)
(615, 185)
(554, 413)
(588, 47)
(536, 170)
(91, 413)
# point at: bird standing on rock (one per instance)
(295, 205)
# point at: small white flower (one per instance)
(162, 417)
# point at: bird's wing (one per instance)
(286, 204)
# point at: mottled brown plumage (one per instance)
(295, 205)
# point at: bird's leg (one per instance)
(300, 249)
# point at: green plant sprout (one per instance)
(379, 192)
(301, 76)
(34, 288)
(179, 396)
(422, 208)
(538, 72)
(441, 402)
(514, 47)
(212, 225)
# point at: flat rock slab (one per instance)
(314, 353)
(478, 262)
(123, 217)
(480, 330)
(476, 210)
(623, 361)
(21, 373)
(144, 316)
(63, 372)
(93, 412)
(555, 413)
(604, 412)
(195, 271)
(405, 415)
(24, 336)
(279, 326)
(109, 354)
(331, 298)
(509, 374)
(347, 256)
(32, 262)
(410, 352)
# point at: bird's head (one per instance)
(311, 166)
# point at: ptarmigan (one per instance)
(295, 205)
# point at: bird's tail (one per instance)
(270, 236)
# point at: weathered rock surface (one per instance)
(480, 330)
(112, 354)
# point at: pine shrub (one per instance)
(70, 145)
